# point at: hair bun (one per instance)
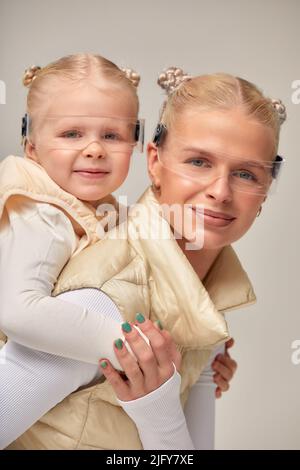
(171, 78)
(281, 110)
(30, 74)
(133, 76)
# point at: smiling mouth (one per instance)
(215, 219)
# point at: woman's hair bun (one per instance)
(30, 74)
(281, 110)
(133, 76)
(172, 78)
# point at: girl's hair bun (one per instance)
(133, 76)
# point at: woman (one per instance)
(214, 156)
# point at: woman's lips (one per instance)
(215, 219)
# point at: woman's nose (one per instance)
(219, 189)
(94, 150)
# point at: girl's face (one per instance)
(83, 137)
(218, 143)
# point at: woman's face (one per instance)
(222, 140)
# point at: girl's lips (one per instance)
(92, 174)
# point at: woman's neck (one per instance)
(201, 260)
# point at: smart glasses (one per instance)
(200, 165)
(74, 132)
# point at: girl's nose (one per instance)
(94, 150)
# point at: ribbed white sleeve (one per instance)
(34, 248)
(159, 417)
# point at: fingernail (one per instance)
(159, 324)
(126, 327)
(119, 343)
(103, 364)
(140, 318)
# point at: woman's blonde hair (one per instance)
(75, 68)
(218, 91)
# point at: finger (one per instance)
(160, 343)
(143, 351)
(113, 377)
(223, 384)
(174, 353)
(229, 344)
(223, 370)
(131, 367)
(218, 392)
(226, 361)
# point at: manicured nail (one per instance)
(126, 327)
(103, 364)
(140, 318)
(119, 343)
(159, 324)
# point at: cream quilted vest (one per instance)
(23, 178)
(151, 276)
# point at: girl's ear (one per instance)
(154, 166)
(30, 152)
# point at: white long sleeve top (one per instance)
(34, 248)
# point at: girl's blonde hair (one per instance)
(218, 91)
(75, 68)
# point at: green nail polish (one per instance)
(119, 343)
(140, 318)
(126, 327)
(159, 324)
(103, 364)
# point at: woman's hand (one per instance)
(154, 364)
(225, 368)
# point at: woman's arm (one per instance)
(35, 246)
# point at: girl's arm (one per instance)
(35, 246)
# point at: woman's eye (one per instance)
(245, 175)
(199, 162)
(71, 134)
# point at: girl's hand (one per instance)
(225, 368)
(154, 364)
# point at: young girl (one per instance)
(216, 147)
(80, 131)
(81, 128)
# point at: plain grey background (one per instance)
(258, 40)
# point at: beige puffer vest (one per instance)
(24, 178)
(154, 277)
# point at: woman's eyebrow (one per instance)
(207, 153)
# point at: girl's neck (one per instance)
(201, 260)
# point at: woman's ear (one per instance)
(154, 165)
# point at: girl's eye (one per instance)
(71, 134)
(245, 175)
(111, 136)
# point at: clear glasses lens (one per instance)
(77, 132)
(249, 176)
